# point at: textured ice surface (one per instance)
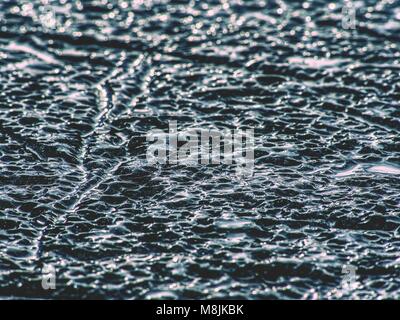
(82, 82)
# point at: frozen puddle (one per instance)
(383, 168)
(316, 63)
(349, 172)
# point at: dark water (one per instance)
(82, 82)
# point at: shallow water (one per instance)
(82, 82)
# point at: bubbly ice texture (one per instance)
(83, 82)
